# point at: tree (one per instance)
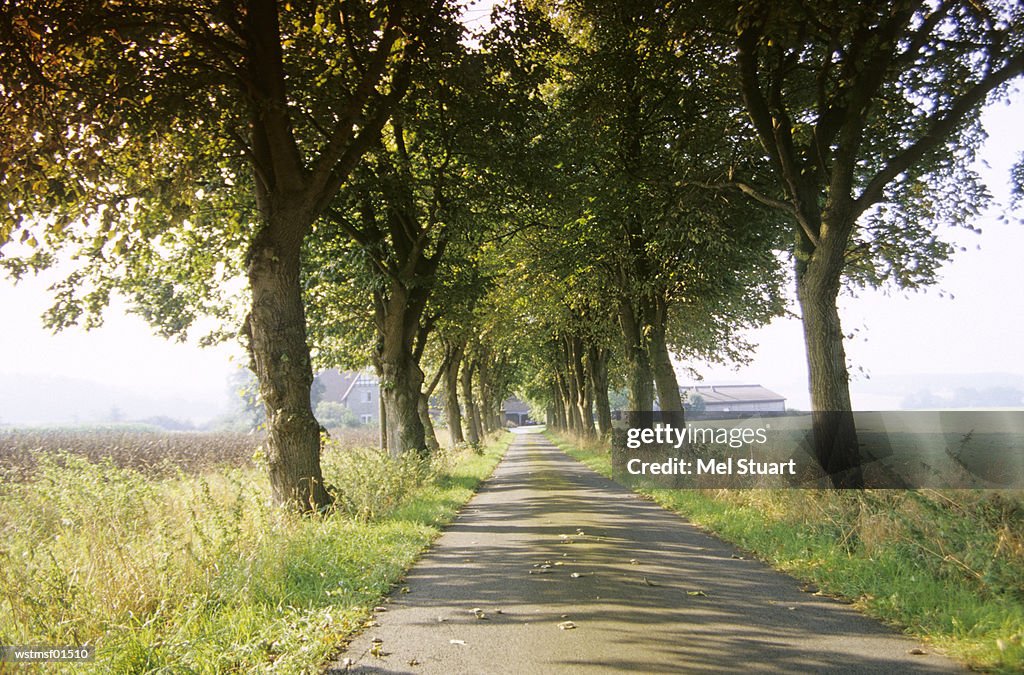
(630, 124)
(417, 210)
(866, 113)
(126, 123)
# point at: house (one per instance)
(735, 398)
(359, 391)
(517, 412)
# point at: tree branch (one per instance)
(939, 130)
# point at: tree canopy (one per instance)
(567, 202)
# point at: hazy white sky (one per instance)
(901, 336)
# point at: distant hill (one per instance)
(26, 400)
(914, 391)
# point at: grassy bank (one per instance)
(946, 566)
(199, 573)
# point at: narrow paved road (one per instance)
(547, 541)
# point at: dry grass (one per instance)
(160, 454)
(196, 572)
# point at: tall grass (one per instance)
(199, 572)
(948, 566)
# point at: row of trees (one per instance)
(558, 205)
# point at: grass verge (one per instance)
(199, 573)
(945, 566)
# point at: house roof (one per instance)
(338, 385)
(515, 405)
(733, 393)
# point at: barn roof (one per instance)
(733, 393)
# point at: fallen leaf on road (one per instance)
(567, 625)
(479, 613)
(917, 651)
(413, 662)
(648, 582)
(700, 593)
(371, 624)
(380, 609)
(575, 575)
(634, 561)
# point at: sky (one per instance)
(969, 330)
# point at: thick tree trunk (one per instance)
(451, 391)
(640, 378)
(473, 431)
(401, 380)
(665, 380)
(276, 329)
(835, 433)
(598, 370)
(400, 388)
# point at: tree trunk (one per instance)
(429, 435)
(383, 415)
(572, 412)
(486, 399)
(401, 380)
(472, 413)
(640, 378)
(558, 420)
(835, 434)
(598, 370)
(579, 385)
(669, 399)
(400, 389)
(276, 329)
(451, 390)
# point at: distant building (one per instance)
(736, 398)
(359, 391)
(517, 412)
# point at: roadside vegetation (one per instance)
(198, 571)
(946, 566)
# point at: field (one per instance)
(163, 552)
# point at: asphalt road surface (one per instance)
(548, 541)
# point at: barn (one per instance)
(735, 398)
